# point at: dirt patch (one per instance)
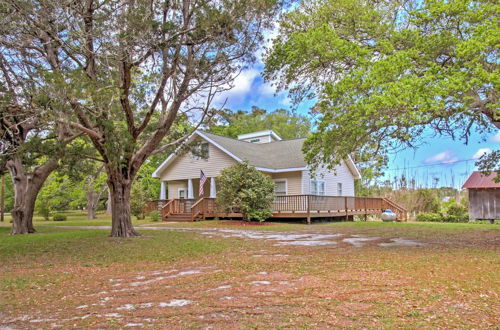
(244, 223)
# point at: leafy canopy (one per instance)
(287, 124)
(384, 71)
(245, 189)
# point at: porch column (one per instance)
(213, 192)
(163, 191)
(190, 189)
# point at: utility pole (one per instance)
(2, 198)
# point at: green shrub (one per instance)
(441, 217)
(428, 217)
(59, 217)
(154, 215)
(245, 189)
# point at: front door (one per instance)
(182, 193)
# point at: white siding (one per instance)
(185, 167)
(293, 179)
(173, 188)
(342, 174)
(262, 139)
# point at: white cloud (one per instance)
(481, 152)
(265, 89)
(241, 87)
(445, 157)
(495, 138)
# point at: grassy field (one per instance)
(229, 274)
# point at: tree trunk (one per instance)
(25, 192)
(108, 204)
(91, 204)
(121, 222)
(2, 198)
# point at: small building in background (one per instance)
(484, 196)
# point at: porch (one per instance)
(287, 206)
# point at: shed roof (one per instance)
(479, 180)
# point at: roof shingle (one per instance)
(275, 155)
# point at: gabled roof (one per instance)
(277, 156)
(479, 180)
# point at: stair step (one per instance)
(180, 217)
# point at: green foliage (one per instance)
(245, 189)
(44, 211)
(429, 217)
(138, 199)
(154, 215)
(451, 211)
(59, 217)
(384, 71)
(287, 124)
(428, 200)
(9, 193)
(490, 162)
(60, 193)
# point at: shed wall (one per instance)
(484, 204)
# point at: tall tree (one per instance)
(384, 71)
(286, 124)
(32, 152)
(124, 69)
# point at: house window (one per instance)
(318, 187)
(200, 151)
(339, 189)
(280, 187)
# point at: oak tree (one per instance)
(383, 72)
(121, 71)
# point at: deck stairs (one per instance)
(178, 217)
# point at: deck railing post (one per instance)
(345, 208)
(308, 209)
(366, 210)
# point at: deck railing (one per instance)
(153, 205)
(307, 206)
(312, 205)
(177, 205)
(203, 207)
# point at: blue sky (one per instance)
(451, 162)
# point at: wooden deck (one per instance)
(289, 206)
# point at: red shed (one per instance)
(484, 196)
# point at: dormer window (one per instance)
(260, 137)
(200, 151)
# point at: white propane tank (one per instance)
(388, 216)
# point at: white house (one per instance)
(281, 159)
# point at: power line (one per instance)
(428, 165)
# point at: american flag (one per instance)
(203, 179)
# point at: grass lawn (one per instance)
(229, 274)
